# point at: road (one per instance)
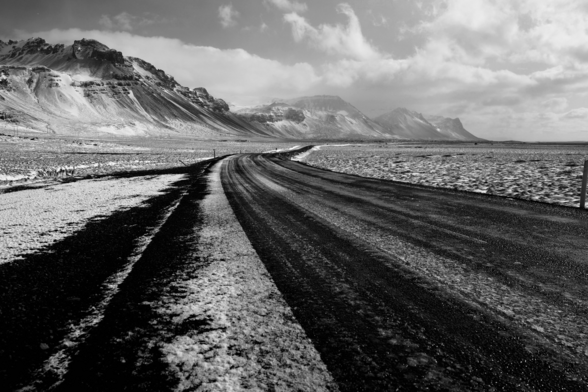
(402, 287)
(295, 278)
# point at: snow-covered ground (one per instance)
(281, 150)
(549, 174)
(33, 219)
(302, 156)
(58, 364)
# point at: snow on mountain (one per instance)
(316, 117)
(412, 125)
(451, 127)
(89, 88)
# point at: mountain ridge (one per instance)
(315, 117)
(413, 125)
(89, 88)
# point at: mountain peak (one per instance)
(91, 43)
(402, 110)
(330, 103)
(315, 98)
(451, 127)
(89, 48)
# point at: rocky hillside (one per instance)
(89, 88)
(317, 117)
(451, 127)
(412, 125)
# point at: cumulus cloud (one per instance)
(346, 40)
(377, 20)
(235, 74)
(529, 58)
(228, 15)
(555, 104)
(478, 31)
(514, 70)
(289, 5)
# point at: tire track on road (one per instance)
(377, 325)
(198, 312)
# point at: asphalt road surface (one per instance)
(398, 287)
(402, 287)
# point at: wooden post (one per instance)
(583, 191)
(214, 153)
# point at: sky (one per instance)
(510, 70)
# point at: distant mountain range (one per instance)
(412, 125)
(330, 117)
(318, 117)
(88, 88)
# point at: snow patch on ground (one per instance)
(250, 339)
(305, 154)
(33, 219)
(280, 150)
(58, 364)
(545, 174)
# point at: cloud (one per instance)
(227, 15)
(377, 20)
(514, 70)
(126, 22)
(479, 31)
(579, 114)
(346, 40)
(235, 75)
(555, 104)
(289, 5)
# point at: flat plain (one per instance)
(27, 160)
(544, 173)
(148, 264)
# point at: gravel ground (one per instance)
(567, 330)
(248, 337)
(549, 174)
(36, 218)
(410, 288)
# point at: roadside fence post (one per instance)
(584, 181)
(213, 153)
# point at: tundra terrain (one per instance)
(172, 269)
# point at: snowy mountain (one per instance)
(89, 88)
(412, 125)
(318, 117)
(451, 127)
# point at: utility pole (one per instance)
(584, 182)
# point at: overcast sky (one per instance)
(509, 69)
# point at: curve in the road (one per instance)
(358, 260)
